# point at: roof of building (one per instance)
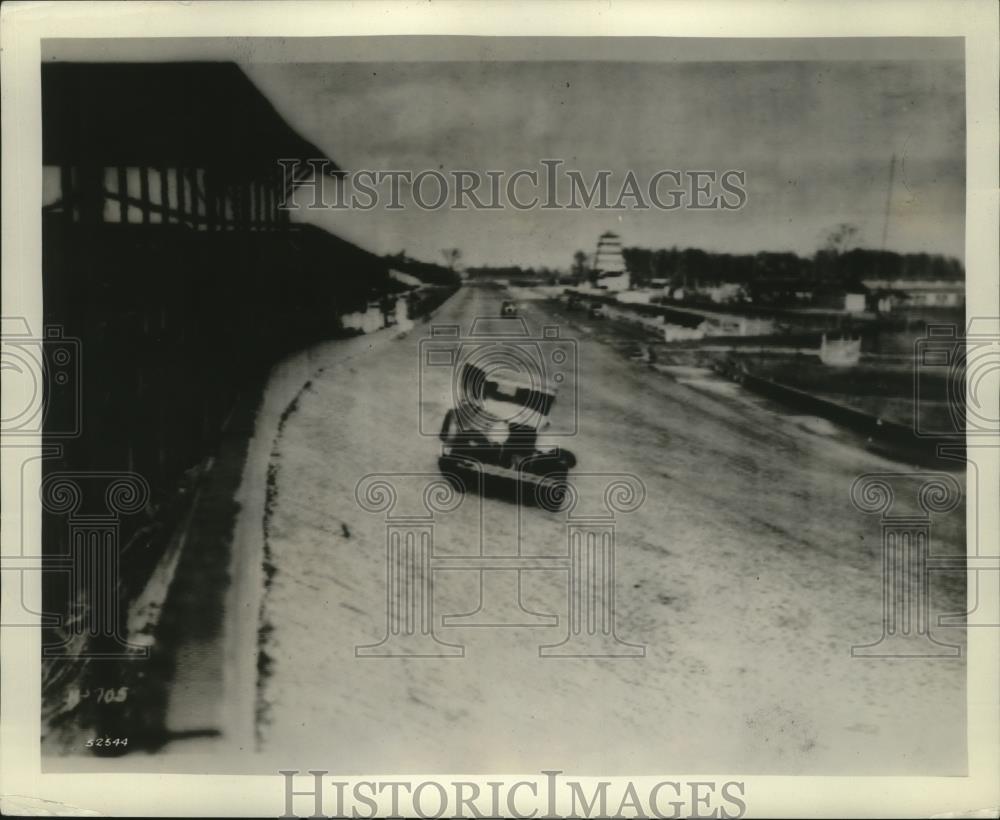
(934, 285)
(186, 114)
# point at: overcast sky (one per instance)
(814, 138)
(813, 123)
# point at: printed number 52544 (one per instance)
(106, 741)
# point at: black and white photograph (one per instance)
(604, 409)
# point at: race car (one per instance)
(508, 308)
(490, 442)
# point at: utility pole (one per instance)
(888, 200)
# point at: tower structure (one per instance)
(609, 263)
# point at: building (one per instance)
(163, 235)
(723, 293)
(719, 324)
(852, 298)
(905, 294)
(854, 302)
(167, 255)
(193, 144)
(785, 291)
(609, 263)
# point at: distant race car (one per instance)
(482, 451)
(596, 311)
(508, 308)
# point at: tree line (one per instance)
(693, 267)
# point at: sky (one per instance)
(815, 140)
(814, 124)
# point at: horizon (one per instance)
(679, 249)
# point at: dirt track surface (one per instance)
(746, 574)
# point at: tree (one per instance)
(827, 261)
(451, 257)
(840, 237)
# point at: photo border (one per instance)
(23, 27)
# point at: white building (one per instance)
(609, 263)
(917, 293)
(720, 294)
(854, 302)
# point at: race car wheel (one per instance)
(450, 427)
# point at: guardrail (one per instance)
(895, 440)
